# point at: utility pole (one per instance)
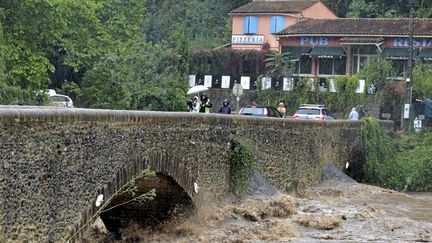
(409, 80)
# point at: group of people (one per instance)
(203, 105)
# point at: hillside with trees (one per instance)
(124, 54)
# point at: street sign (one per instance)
(406, 113)
(237, 90)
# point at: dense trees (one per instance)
(378, 8)
(106, 54)
(120, 54)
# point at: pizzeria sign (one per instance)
(247, 39)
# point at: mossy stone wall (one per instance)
(55, 162)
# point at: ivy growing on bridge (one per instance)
(241, 157)
(377, 149)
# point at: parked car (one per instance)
(55, 99)
(313, 112)
(268, 111)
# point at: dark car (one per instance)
(268, 111)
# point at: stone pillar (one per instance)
(314, 70)
(349, 60)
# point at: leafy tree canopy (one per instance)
(75, 46)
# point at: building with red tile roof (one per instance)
(332, 47)
(256, 23)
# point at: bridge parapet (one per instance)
(56, 161)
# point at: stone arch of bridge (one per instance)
(169, 173)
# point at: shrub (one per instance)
(403, 164)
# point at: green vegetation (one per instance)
(403, 164)
(377, 149)
(279, 65)
(129, 189)
(411, 167)
(135, 54)
(378, 8)
(107, 54)
(422, 85)
(339, 103)
(241, 158)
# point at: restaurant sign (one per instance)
(247, 39)
(404, 42)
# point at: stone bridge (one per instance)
(55, 162)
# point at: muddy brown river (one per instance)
(335, 211)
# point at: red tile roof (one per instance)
(359, 27)
(287, 6)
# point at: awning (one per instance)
(296, 51)
(425, 53)
(327, 51)
(398, 53)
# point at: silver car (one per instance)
(313, 112)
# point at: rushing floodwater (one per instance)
(335, 211)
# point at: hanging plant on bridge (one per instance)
(241, 157)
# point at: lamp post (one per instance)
(409, 79)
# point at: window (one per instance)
(399, 60)
(308, 111)
(252, 111)
(361, 54)
(325, 112)
(332, 66)
(58, 98)
(427, 61)
(326, 66)
(400, 67)
(250, 24)
(277, 23)
(339, 66)
(303, 65)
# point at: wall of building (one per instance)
(55, 162)
(319, 10)
(263, 29)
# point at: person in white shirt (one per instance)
(353, 115)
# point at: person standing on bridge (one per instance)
(225, 109)
(353, 115)
(193, 104)
(282, 109)
(206, 105)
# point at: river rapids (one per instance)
(338, 210)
